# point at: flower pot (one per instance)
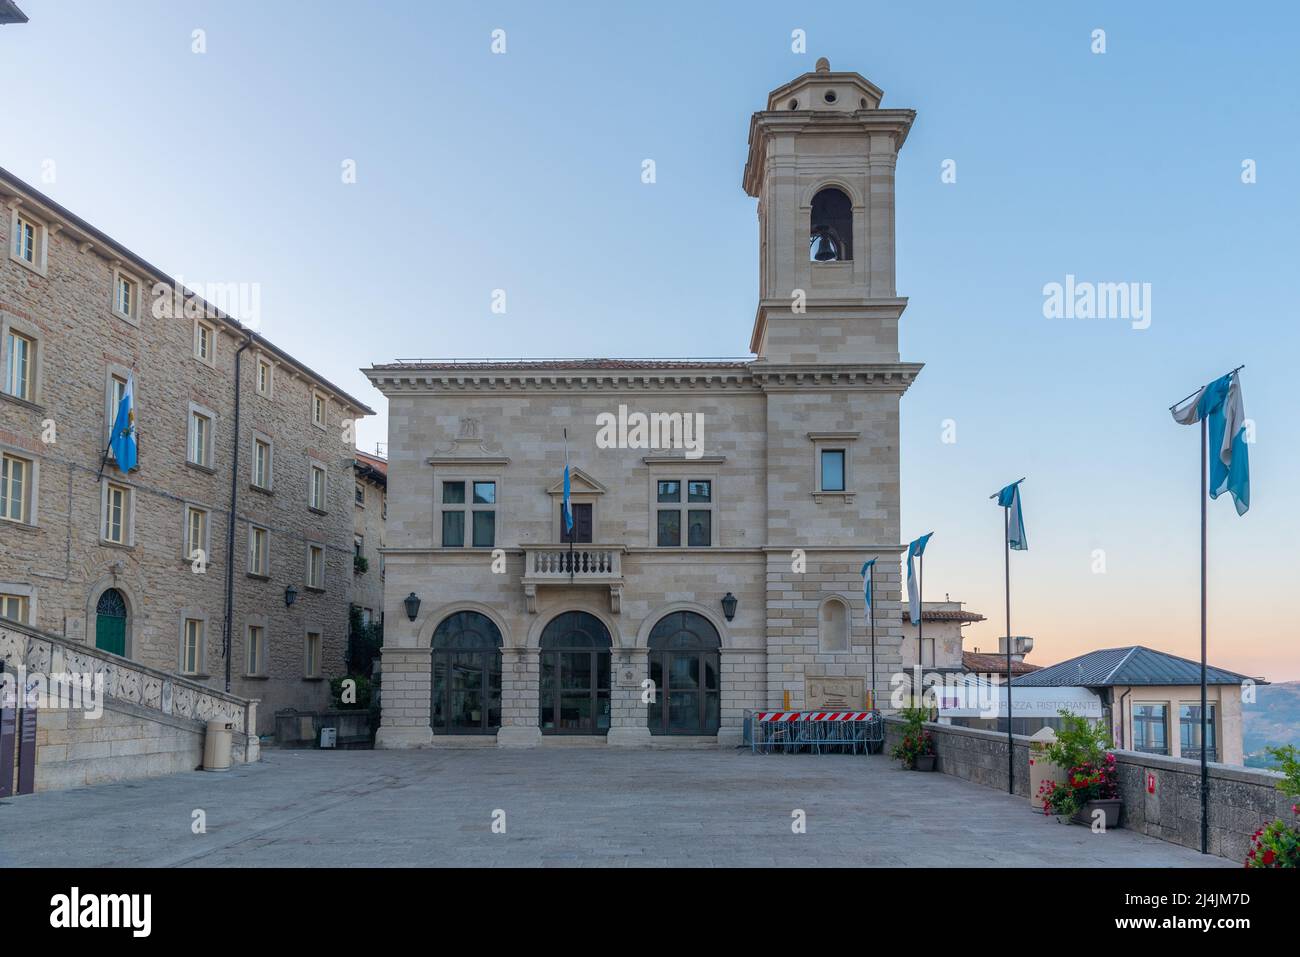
(1110, 807)
(924, 762)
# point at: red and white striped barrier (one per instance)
(813, 715)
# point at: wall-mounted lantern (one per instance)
(412, 603)
(729, 605)
(290, 596)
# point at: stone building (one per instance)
(721, 509)
(137, 563)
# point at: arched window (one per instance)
(685, 662)
(466, 675)
(574, 687)
(110, 622)
(833, 626)
(830, 233)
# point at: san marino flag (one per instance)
(866, 583)
(915, 551)
(123, 441)
(1221, 403)
(1009, 497)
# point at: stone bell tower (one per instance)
(821, 164)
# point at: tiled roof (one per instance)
(557, 365)
(1133, 665)
(994, 664)
(374, 461)
(939, 614)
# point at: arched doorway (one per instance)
(466, 675)
(574, 688)
(110, 622)
(685, 662)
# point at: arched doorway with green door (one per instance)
(111, 622)
(685, 661)
(575, 668)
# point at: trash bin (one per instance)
(216, 745)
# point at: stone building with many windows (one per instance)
(138, 563)
(721, 510)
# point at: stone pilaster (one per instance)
(519, 699)
(627, 724)
(405, 698)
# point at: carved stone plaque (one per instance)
(833, 693)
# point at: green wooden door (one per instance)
(110, 623)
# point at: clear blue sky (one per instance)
(522, 171)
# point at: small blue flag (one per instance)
(566, 508)
(1221, 402)
(915, 551)
(123, 441)
(1009, 498)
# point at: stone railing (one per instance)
(124, 680)
(584, 565)
(1162, 796)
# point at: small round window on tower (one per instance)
(829, 96)
(862, 102)
(794, 104)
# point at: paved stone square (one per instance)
(564, 806)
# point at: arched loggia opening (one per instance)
(466, 675)
(575, 665)
(685, 666)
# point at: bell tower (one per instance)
(821, 164)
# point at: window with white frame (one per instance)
(205, 341)
(199, 448)
(316, 567)
(196, 534)
(262, 463)
(316, 488)
(192, 646)
(15, 608)
(259, 551)
(16, 474)
(318, 412)
(312, 654)
(265, 372)
(472, 503)
(29, 238)
(126, 296)
(255, 650)
(20, 365)
(117, 514)
(684, 510)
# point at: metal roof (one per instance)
(9, 12)
(1134, 665)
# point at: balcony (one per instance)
(597, 565)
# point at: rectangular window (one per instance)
(1189, 731)
(15, 476)
(124, 300)
(582, 523)
(361, 495)
(25, 240)
(698, 521)
(317, 500)
(259, 551)
(196, 533)
(832, 470)
(481, 510)
(315, 567)
(255, 649)
(263, 377)
(261, 463)
(318, 409)
(204, 342)
(358, 545)
(116, 515)
(19, 367)
(200, 450)
(311, 654)
(1149, 729)
(191, 653)
(14, 608)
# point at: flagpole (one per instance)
(1205, 771)
(871, 607)
(102, 460)
(1006, 542)
(567, 509)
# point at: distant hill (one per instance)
(1272, 721)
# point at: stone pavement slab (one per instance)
(563, 807)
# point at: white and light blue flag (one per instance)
(915, 551)
(123, 439)
(1221, 403)
(866, 585)
(1009, 497)
(566, 508)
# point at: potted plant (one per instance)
(916, 750)
(1278, 844)
(1092, 779)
